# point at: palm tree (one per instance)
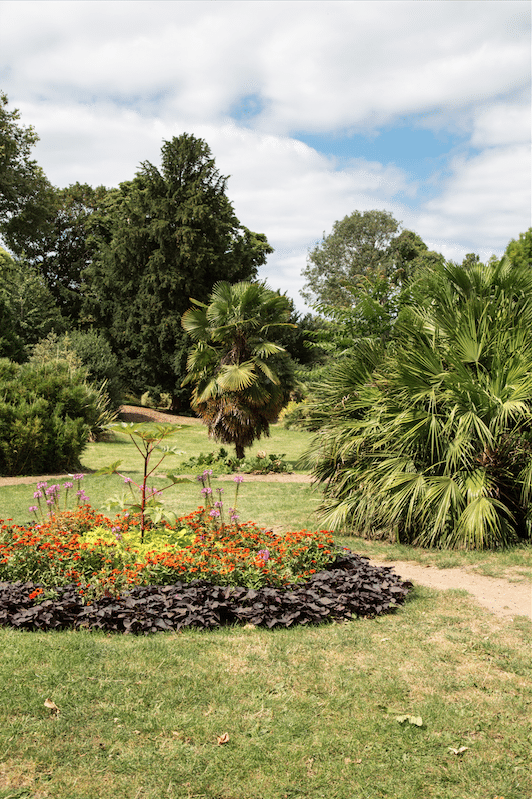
(431, 441)
(242, 377)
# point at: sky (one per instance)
(313, 109)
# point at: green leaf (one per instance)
(175, 480)
(109, 469)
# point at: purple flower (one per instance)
(238, 478)
(49, 502)
(41, 485)
(206, 491)
(78, 476)
(37, 494)
(33, 509)
(128, 480)
(264, 554)
(215, 513)
(207, 472)
(218, 504)
(68, 485)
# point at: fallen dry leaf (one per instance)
(223, 739)
(51, 706)
(417, 720)
(460, 751)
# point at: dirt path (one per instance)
(499, 596)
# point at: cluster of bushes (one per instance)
(47, 413)
(224, 463)
(54, 403)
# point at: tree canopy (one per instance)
(520, 251)
(363, 257)
(168, 234)
(25, 192)
(64, 247)
(357, 248)
(28, 312)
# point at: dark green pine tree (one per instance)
(167, 235)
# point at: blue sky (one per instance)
(314, 108)
(422, 154)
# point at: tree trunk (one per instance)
(239, 451)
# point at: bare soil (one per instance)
(501, 597)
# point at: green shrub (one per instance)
(46, 415)
(156, 400)
(99, 372)
(224, 463)
(102, 366)
(296, 415)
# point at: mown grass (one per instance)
(309, 712)
(191, 439)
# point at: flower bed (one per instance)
(82, 569)
(95, 553)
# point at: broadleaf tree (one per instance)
(64, 247)
(364, 256)
(357, 248)
(169, 234)
(28, 312)
(26, 195)
(242, 376)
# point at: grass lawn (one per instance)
(308, 712)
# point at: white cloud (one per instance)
(104, 83)
(485, 202)
(502, 123)
(317, 65)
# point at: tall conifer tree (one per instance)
(169, 234)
